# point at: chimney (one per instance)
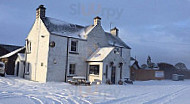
(114, 31)
(97, 21)
(40, 11)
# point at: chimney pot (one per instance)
(97, 21)
(40, 11)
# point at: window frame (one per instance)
(107, 71)
(27, 70)
(72, 67)
(92, 71)
(76, 46)
(28, 46)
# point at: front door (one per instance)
(113, 75)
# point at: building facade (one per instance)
(57, 50)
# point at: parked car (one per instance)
(2, 69)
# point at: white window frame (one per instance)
(74, 40)
(74, 69)
(93, 70)
(28, 46)
(27, 69)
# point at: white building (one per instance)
(58, 50)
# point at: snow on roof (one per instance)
(58, 27)
(100, 54)
(62, 28)
(21, 56)
(116, 41)
(12, 53)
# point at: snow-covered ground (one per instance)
(15, 90)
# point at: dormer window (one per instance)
(74, 46)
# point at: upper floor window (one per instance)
(28, 46)
(74, 45)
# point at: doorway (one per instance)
(113, 74)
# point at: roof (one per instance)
(12, 53)
(9, 48)
(62, 28)
(58, 27)
(135, 64)
(100, 54)
(116, 41)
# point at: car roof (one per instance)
(1, 63)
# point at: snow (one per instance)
(21, 91)
(21, 56)
(100, 54)
(12, 53)
(58, 27)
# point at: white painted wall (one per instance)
(126, 54)
(116, 58)
(39, 52)
(56, 72)
(95, 39)
(92, 77)
(21, 68)
(48, 64)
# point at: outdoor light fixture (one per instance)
(111, 63)
(120, 64)
(54, 61)
(52, 44)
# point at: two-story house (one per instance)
(57, 50)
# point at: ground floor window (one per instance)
(72, 69)
(94, 69)
(27, 70)
(106, 71)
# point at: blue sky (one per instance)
(159, 28)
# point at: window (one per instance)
(72, 69)
(106, 71)
(28, 43)
(1, 65)
(28, 68)
(94, 69)
(121, 72)
(74, 44)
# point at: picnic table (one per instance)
(79, 80)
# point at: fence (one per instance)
(143, 75)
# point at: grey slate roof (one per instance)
(62, 28)
(9, 48)
(116, 41)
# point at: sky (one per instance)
(159, 28)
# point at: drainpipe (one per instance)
(67, 59)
